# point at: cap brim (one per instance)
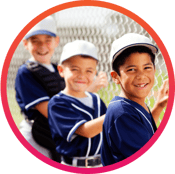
(153, 48)
(40, 32)
(61, 61)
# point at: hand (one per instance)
(162, 98)
(101, 81)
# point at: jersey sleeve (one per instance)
(29, 91)
(63, 120)
(128, 134)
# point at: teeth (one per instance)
(141, 86)
(42, 54)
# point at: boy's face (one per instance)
(78, 73)
(136, 77)
(41, 47)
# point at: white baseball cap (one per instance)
(46, 26)
(130, 40)
(78, 47)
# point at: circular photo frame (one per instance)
(65, 6)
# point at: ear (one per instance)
(60, 70)
(25, 43)
(57, 40)
(115, 77)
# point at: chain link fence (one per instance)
(100, 26)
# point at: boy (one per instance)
(32, 91)
(128, 124)
(37, 81)
(74, 115)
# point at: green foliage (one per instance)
(14, 108)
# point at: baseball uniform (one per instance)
(126, 128)
(30, 92)
(65, 115)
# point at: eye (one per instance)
(130, 70)
(89, 71)
(74, 69)
(148, 67)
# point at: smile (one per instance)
(42, 54)
(80, 82)
(141, 85)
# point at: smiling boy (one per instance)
(75, 115)
(136, 75)
(32, 91)
(41, 47)
(129, 124)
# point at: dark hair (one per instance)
(121, 58)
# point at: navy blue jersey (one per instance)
(65, 115)
(29, 91)
(127, 127)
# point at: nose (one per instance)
(140, 75)
(81, 74)
(42, 45)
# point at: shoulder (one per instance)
(23, 72)
(119, 106)
(115, 104)
(61, 104)
(61, 99)
(58, 96)
(23, 69)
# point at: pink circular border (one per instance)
(70, 5)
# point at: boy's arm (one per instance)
(161, 102)
(42, 108)
(26, 97)
(91, 128)
(101, 81)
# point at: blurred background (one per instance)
(100, 26)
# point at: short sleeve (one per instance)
(29, 91)
(63, 120)
(128, 134)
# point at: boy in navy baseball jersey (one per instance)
(37, 81)
(32, 92)
(75, 115)
(129, 124)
